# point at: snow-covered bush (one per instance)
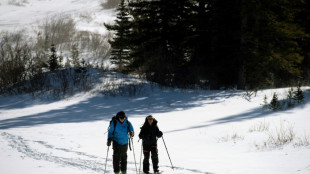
(18, 2)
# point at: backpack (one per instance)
(114, 120)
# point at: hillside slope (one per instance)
(216, 132)
(27, 14)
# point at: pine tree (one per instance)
(274, 103)
(290, 99)
(67, 64)
(299, 95)
(53, 62)
(120, 43)
(160, 43)
(75, 56)
(265, 103)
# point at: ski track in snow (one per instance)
(23, 146)
(80, 160)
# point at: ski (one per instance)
(160, 172)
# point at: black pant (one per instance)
(147, 149)
(119, 157)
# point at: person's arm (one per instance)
(110, 134)
(131, 130)
(141, 134)
(158, 132)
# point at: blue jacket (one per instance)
(121, 132)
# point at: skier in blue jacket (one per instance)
(119, 132)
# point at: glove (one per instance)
(159, 134)
(109, 142)
(131, 134)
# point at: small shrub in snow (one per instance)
(265, 102)
(274, 103)
(249, 94)
(18, 2)
(280, 136)
(299, 95)
(303, 141)
(290, 100)
(230, 137)
(260, 126)
(113, 88)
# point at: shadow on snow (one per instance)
(101, 107)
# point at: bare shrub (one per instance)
(108, 4)
(15, 60)
(99, 45)
(260, 126)
(114, 89)
(230, 137)
(114, 85)
(248, 94)
(282, 135)
(82, 39)
(86, 17)
(18, 2)
(303, 140)
(58, 30)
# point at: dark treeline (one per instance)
(214, 43)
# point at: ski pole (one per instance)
(167, 152)
(129, 144)
(106, 160)
(133, 150)
(140, 156)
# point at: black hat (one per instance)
(121, 114)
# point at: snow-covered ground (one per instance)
(27, 14)
(218, 132)
(209, 132)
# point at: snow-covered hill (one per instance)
(206, 132)
(218, 132)
(27, 14)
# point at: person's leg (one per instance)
(146, 163)
(124, 149)
(155, 160)
(116, 157)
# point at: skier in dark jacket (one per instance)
(119, 135)
(149, 134)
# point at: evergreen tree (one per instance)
(303, 19)
(245, 43)
(53, 62)
(273, 38)
(159, 48)
(290, 99)
(299, 95)
(274, 103)
(265, 103)
(199, 40)
(75, 56)
(60, 60)
(120, 43)
(67, 64)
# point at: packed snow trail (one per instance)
(70, 158)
